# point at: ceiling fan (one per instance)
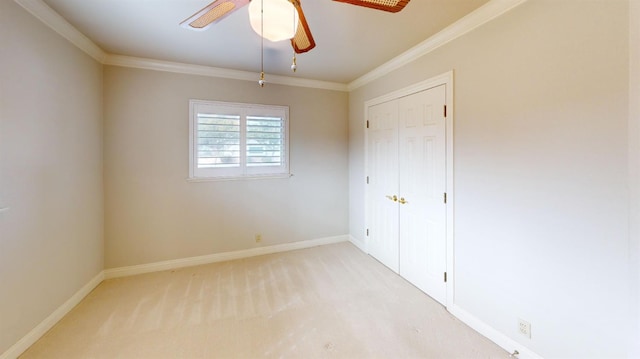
(302, 41)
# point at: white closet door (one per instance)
(422, 184)
(383, 183)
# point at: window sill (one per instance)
(237, 178)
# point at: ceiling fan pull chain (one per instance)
(261, 81)
(294, 65)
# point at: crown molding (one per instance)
(473, 20)
(182, 68)
(58, 24)
(477, 18)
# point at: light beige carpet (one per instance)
(325, 302)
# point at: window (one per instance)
(236, 140)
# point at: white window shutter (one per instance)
(230, 140)
(218, 142)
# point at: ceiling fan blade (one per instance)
(385, 5)
(303, 40)
(211, 13)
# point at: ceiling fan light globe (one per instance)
(280, 19)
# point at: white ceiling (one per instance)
(350, 40)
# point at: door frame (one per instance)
(447, 80)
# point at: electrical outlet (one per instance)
(524, 328)
(258, 238)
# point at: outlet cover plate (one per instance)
(524, 328)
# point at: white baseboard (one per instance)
(219, 257)
(478, 325)
(36, 333)
(492, 334)
(23, 344)
(358, 243)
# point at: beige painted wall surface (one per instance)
(634, 165)
(51, 238)
(541, 171)
(154, 214)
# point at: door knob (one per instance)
(394, 198)
(403, 201)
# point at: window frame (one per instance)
(243, 110)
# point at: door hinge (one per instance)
(445, 197)
(445, 110)
(445, 277)
(367, 123)
(367, 179)
(367, 232)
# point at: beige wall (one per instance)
(541, 171)
(51, 238)
(543, 134)
(154, 214)
(634, 165)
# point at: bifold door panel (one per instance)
(383, 182)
